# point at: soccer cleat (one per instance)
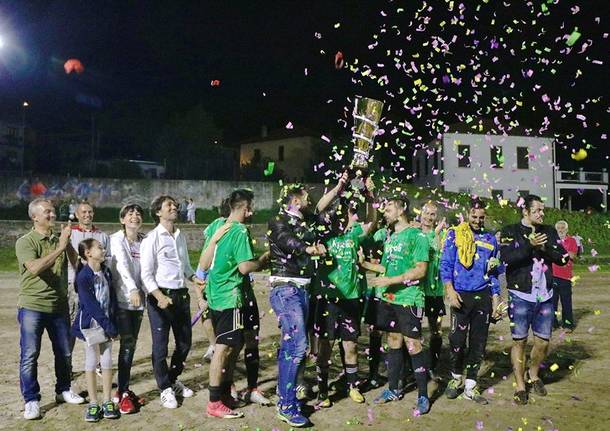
(386, 396)
(93, 413)
(323, 401)
(355, 395)
(126, 405)
(181, 390)
(474, 395)
(69, 397)
(292, 418)
(110, 411)
(217, 409)
(168, 399)
(520, 397)
(453, 388)
(423, 405)
(31, 410)
(255, 396)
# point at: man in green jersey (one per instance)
(228, 258)
(404, 263)
(433, 286)
(340, 296)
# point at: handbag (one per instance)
(94, 335)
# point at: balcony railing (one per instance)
(582, 177)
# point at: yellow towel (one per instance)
(464, 241)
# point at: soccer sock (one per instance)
(215, 393)
(407, 366)
(251, 357)
(420, 371)
(322, 379)
(374, 353)
(225, 390)
(469, 384)
(395, 364)
(351, 371)
(435, 351)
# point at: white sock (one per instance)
(469, 385)
(456, 376)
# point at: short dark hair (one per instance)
(130, 207)
(403, 201)
(238, 196)
(290, 191)
(157, 203)
(477, 204)
(529, 200)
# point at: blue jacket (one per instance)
(89, 308)
(477, 277)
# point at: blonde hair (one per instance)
(561, 223)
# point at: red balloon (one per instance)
(74, 65)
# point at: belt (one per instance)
(288, 283)
(168, 292)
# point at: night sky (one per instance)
(158, 58)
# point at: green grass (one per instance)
(8, 260)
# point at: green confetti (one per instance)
(573, 37)
(270, 168)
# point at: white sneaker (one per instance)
(69, 397)
(32, 410)
(181, 390)
(209, 353)
(255, 396)
(168, 399)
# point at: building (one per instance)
(504, 167)
(292, 151)
(12, 144)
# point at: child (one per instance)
(97, 304)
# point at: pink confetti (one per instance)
(289, 126)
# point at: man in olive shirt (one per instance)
(43, 304)
(228, 258)
(404, 263)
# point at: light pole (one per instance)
(24, 106)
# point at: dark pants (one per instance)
(562, 290)
(31, 326)
(471, 322)
(128, 322)
(176, 316)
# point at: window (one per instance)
(463, 156)
(257, 155)
(496, 157)
(523, 159)
(280, 153)
(497, 194)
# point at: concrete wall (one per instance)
(481, 178)
(108, 192)
(10, 230)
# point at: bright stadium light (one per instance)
(1, 42)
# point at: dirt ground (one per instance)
(578, 389)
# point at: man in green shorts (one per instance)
(228, 258)
(338, 311)
(404, 264)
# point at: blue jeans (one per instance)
(32, 325)
(524, 315)
(291, 305)
(128, 322)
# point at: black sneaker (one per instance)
(539, 388)
(453, 388)
(520, 398)
(93, 413)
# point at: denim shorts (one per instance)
(525, 314)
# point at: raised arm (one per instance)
(326, 200)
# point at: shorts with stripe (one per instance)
(228, 326)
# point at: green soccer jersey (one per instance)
(432, 284)
(401, 252)
(339, 277)
(226, 286)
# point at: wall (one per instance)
(480, 178)
(108, 192)
(11, 230)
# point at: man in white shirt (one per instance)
(165, 268)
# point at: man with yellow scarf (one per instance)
(469, 272)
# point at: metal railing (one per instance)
(581, 176)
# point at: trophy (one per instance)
(367, 113)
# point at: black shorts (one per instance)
(228, 326)
(405, 319)
(338, 320)
(251, 316)
(434, 307)
(371, 306)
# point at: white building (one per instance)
(500, 166)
